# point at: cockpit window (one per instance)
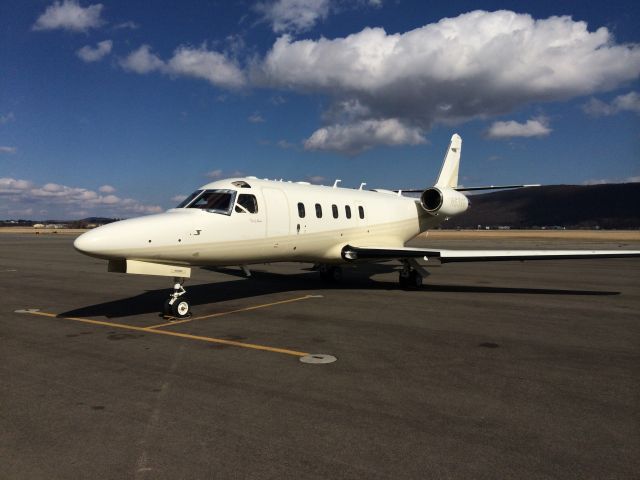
(217, 201)
(246, 204)
(189, 199)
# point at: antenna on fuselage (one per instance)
(362, 185)
(335, 184)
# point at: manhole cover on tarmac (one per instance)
(318, 358)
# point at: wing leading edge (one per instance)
(352, 253)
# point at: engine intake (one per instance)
(445, 201)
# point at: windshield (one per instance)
(189, 199)
(217, 201)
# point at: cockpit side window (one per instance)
(189, 199)
(216, 201)
(246, 204)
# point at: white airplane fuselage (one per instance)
(244, 221)
(275, 232)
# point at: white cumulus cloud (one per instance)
(622, 103)
(255, 117)
(215, 67)
(209, 65)
(293, 15)
(6, 149)
(91, 54)
(9, 117)
(357, 137)
(142, 61)
(63, 200)
(477, 65)
(106, 189)
(69, 15)
(511, 128)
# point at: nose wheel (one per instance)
(177, 305)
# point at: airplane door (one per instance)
(277, 212)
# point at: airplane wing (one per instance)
(350, 252)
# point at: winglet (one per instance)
(449, 173)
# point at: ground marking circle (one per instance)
(318, 358)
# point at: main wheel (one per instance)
(404, 280)
(180, 308)
(336, 274)
(330, 274)
(415, 279)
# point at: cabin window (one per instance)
(301, 212)
(347, 211)
(318, 210)
(247, 204)
(216, 201)
(361, 211)
(334, 209)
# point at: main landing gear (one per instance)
(330, 273)
(412, 274)
(177, 304)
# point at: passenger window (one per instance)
(347, 211)
(361, 211)
(334, 209)
(318, 210)
(247, 203)
(301, 212)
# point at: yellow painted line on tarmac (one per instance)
(222, 314)
(171, 334)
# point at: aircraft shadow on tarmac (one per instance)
(265, 283)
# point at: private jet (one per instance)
(243, 221)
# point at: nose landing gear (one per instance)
(177, 305)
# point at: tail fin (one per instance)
(449, 173)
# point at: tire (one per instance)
(181, 308)
(403, 280)
(415, 280)
(330, 274)
(166, 310)
(336, 274)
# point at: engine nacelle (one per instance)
(443, 201)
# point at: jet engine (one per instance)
(443, 201)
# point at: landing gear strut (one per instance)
(177, 304)
(412, 274)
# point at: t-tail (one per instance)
(448, 177)
(443, 198)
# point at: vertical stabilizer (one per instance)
(449, 173)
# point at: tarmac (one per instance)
(492, 370)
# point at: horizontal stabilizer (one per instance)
(494, 187)
(448, 256)
(468, 189)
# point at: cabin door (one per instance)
(277, 212)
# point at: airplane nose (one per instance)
(89, 243)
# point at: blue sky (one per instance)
(118, 108)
